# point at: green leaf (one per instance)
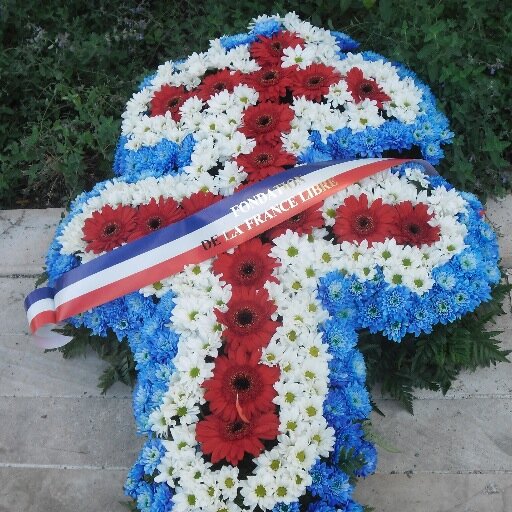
(41, 279)
(116, 353)
(386, 10)
(351, 462)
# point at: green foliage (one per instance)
(116, 353)
(351, 462)
(433, 361)
(68, 68)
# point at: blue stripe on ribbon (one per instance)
(37, 295)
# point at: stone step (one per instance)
(486, 492)
(499, 215)
(26, 370)
(25, 236)
(468, 435)
(68, 431)
(27, 365)
(13, 291)
(47, 489)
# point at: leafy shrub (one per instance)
(67, 68)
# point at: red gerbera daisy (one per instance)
(249, 265)
(109, 228)
(413, 227)
(169, 99)
(355, 221)
(270, 81)
(269, 50)
(231, 440)
(198, 201)
(362, 88)
(314, 81)
(153, 216)
(265, 160)
(241, 387)
(212, 84)
(248, 319)
(302, 223)
(267, 121)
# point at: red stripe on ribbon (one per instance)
(43, 318)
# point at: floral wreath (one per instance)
(250, 387)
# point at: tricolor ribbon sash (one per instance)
(221, 226)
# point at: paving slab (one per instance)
(26, 370)
(61, 490)
(68, 431)
(25, 236)
(460, 435)
(13, 291)
(437, 492)
(499, 214)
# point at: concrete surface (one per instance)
(499, 215)
(64, 447)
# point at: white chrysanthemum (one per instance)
(227, 481)
(258, 491)
(339, 94)
(360, 116)
(298, 56)
(190, 500)
(159, 423)
(240, 59)
(229, 178)
(163, 74)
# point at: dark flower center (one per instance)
(276, 47)
(154, 223)
(366, 87)
(414, 229)
(245, 317)
(315, 81)
(364, 224)
(219, 86)
(236, 430)
(296, 218)
(263, 159)
(174, 102)
(270, 77)
(111, 228)
(264, 121)
(247, 269)
(241, 382)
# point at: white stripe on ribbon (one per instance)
(39, 307)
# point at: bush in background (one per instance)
(68, 67)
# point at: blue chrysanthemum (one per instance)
(266, 28)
